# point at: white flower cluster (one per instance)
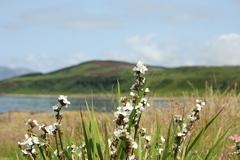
(50, 129)
(121, 132)
(31, 139)
(143, 132)
(63, 100)
(27, 146)
(140, 80)
(192, 117)
(185, 128)
(140, 68)
(131, 108)
(76, 151)
(159, 144)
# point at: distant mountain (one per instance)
(6, 72)
(102, 76)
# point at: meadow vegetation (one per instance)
(193, 126)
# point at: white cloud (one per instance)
(143, 46)
(217, 51)
(221, 50)
(74, 58)
(147, 49)
(46, 62)
(41, 62)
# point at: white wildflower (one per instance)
(56, 108)
(184, 128)
(55, 152)
(63, 100)
(116, 114)
(128, 107)
(35, 140)
(126, 119)
(148, 138)
(34, 151)
(180, 134)
(160, 151)
(163, 139)
(41, 127)
(109, 142)
(139, 107)
(143, 131)
(73, 148)
(132, 94)
(134, 145)
(32, 123)
(199, 107)
(140, 67)
(24, 152)
(132, 157)
(192, 118)
(147, 90)
(50, 129)
(118, 132)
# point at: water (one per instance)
(8, 103)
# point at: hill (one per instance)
(6, 72)
(101, 77)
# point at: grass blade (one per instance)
(196, 140)
(217, 146)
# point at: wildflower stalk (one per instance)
(32, 140)
(56, 142)
(60, 138)
(185, 128)
(127, 118)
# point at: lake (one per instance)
(9, 103)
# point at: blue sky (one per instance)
(48, 35)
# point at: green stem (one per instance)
(57, 145)
(41, 150)
(60, 138)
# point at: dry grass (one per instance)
(13, 126)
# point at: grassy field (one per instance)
(13, 123)
(195, 125)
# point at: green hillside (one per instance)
(101, 77)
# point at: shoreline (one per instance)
(56, 95)
(103, 96)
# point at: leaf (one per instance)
(107, 153)
(96, 134)
(196, 140)
(217, 146)
(86, 135)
